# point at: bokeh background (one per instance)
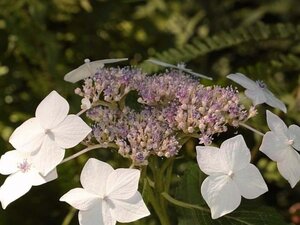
(41, 40)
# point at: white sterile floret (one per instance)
(20, 166)
(257, 91)
(231, 175)
(107, 195)
(280, 145)
(89, 69)
(50, 132)
(180, 66)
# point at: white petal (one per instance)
(15, 186)
(276, 124)
(274, 146)
(9, 162)
(221, 194)
(71, 131)
(257, 96)
(289, 168)
(94, 176)
(81, 199)
(122, 183)
(108, 61)
(88, 69)
(243, 81)
(294, 134)
(48, 157)
(160, 63)
(209, 160)
(107, 215)
(126, 211)
(250, 182)
(52, 110)
(235, 153)
(52, 175)
(37, 179)
(93, 216)
(273, 101)
(28, 136)
(82, 72)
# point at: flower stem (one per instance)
(161, 184)
(81, 112)
(69, 217)
(88, 149)
(252, 129)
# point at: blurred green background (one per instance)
(41, 40)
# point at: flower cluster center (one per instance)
(24, 166)
(290, 142)
(261, 84)
(230, 174)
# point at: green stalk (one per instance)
(156, 199)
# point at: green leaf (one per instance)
(192, 209)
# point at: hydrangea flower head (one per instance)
(281, 145)
(20, 166)
(257, 91)
(50, 132)
(107, 195)
(231, 175)
(170, 103)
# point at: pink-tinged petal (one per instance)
(274, 146)
(273, 101)
(242, 80)
(276, 124)
(250, 182)
(9, 162)
(38, 179)
(70, 132)
(28, 136)
(129, 210)
(221, 195)
(52, 110)
(94, 176)
(294, 134)
(209, 160)
(257, 96)
(235, 153)
(289, 168)
(122, 183)
(81, 199)
(15, 186)
(48, 157)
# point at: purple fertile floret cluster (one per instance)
(172, 107)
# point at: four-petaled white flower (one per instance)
(257, 91)
(50, 132)
(20, 166)
(89, 69)
(231, 175)
(280, 145)
(107, 195)
(180, 66)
